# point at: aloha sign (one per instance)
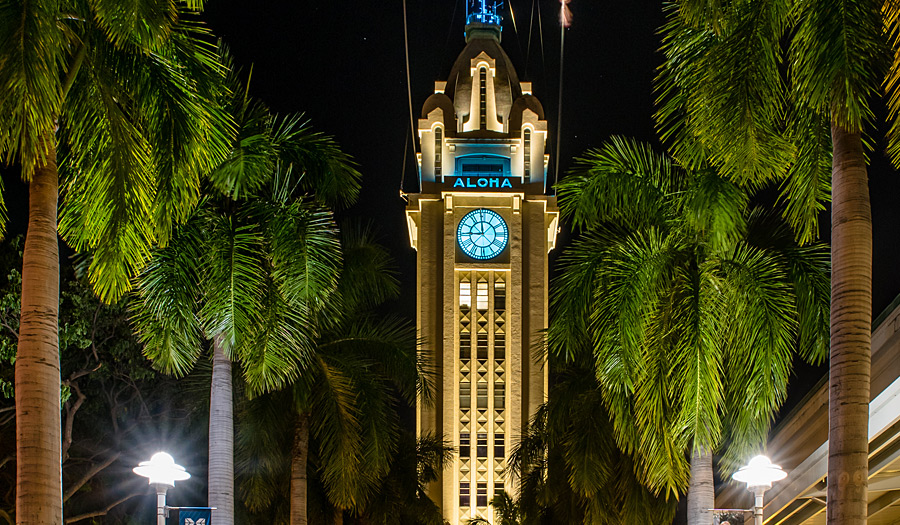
(482, 183)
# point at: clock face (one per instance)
(482, 234)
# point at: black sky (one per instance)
(342, 63)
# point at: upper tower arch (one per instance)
(483, 106)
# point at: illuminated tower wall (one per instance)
(482, 227)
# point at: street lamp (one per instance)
(759, 475)
(163, 473)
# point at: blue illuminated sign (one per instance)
(485, 183)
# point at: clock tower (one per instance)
(482, 225)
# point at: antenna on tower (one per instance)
(483, 19)
(483, 12)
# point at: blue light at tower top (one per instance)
(483, 12)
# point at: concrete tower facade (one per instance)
(482, 226)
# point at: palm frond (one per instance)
(34, 59)
(305, 252)
(317, 165)
(107, 188)
(234, 281)
(263, 440)
(632, 278)
(335, 426)
(807, 267)
(278, 347)
(721, 96)
(697, 356)
(713, 209)
(838, 57)
(4, 214)
(807, 186)
(141, 23)
(164, 306)
(389, 343)
(891, 15)
(184, 88)
(673, 315)
(253, 158)
(135, 155)
(760, 338)
(369, 276)
(622, 180)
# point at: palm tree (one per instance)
(345, 419)
(725, 96)
(129, 96)
(249, 271)
(571, 468)
(691, 306)
(400, 497)
(347, 413)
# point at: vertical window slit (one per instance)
(438, 150)
(527, 153)
(483, 92)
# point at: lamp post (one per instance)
(163, 473)
(759, 475)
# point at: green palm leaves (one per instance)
(360, 363)
(687, 303)
(363, 361)
(769, 91)
(129, 93)
(571, 467)
(723, 99)
(253, 272)
(136, 102)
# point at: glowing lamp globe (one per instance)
(162, 470)
(760, 472)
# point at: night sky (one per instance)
(342, 63)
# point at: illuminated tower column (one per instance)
(482, 227)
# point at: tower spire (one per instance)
(482, 19)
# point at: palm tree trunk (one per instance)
(338, 517)
(851, 337)
(701, 493)
(299, 480)
(221, 437)
(37, 382)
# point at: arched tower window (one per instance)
(526, 147)
(482, 86)
(438, 149)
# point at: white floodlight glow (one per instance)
(162, 470)
(760, 472)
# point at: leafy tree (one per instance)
(127, 93)
(690, 305)
(249, 271)
(112, 401)
(343, 434)
(571, 468)
(400, 497)
(778, 90)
